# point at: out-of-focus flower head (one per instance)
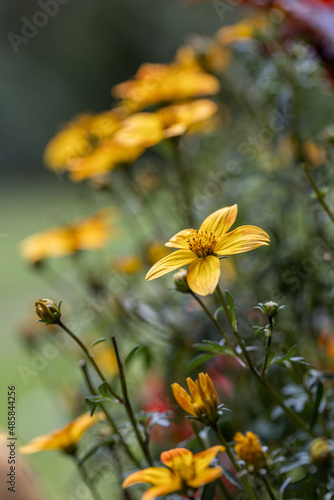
(105, 358)
(249, 449)
(84, 234)
(326, 342)
(313, 153)
(158, 83)
(204, 53)
(202, 402)
(156, 251)
(183, 471)
(202, 249)
(128, 264)
(321, 452)
(65, 439)
(245, 30)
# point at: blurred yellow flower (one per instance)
(156, 251)
(183, 470)
(244, 30)
(88, 234)
(156, 83)
(105, 358)
(128, 264)
(314, 154)
(249, 449)
(212, 57)
(202, 249)
(65, 439)
(202, 401)
(79, 138)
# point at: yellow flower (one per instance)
(203, 402)
(105, 358)
(314, 154)
(88, 234)
(193, 116)
(79, 138)
(184, 470)
(211, 56)
(244, 30)
(202, 249)
(156, 83)
(128, 264)
(249, 449)
(64, 439)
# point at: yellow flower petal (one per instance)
(220, 221)
(203, 459)
(242, 239)
(180, 239)
(141, 129)
(183, 398)
(170, 263)
(152, 475)
(165, 489)
(206, 477)
(177, 459)
(203, 275)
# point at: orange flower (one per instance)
(249, 449)
(202, 249)
(88, 234)
(203, 402)
(156, 83)
(64, 439)
(184, 470)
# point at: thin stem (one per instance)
(91, 359)
(127, 404)
(273, 394)
(213, 319)
(110, 419)
(222, 440)
(268, 488)
(264, 369)
(320, 196)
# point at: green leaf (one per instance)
(232, 307)
(209, 491)
(291, 352)
(198, 360)
(98, 342)
(218, 311)
(318, 399)
(232, 478)
(271, 357)
(103, 389)
(130, 354)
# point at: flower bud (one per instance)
(321, 452)
(180, 281)
(48, 312)
(270, 308)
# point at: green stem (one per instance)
(127, 404)
(230, 455)
(91, 359)
(213, 319)
(110, 419)
(268, 488)
(273, 394)
(264, 369)
(320, 196)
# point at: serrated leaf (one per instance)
(98, 341)
(232, 307)
(130, 354)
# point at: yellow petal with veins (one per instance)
(220, 221)
(170, 263)
(242, 239)
(180, 239)
(203, 275)
(183, 398)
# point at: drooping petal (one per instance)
(220, 221)
(183, 398)
(242, 239)
(207, 476)
(180, 239)
(177, 459)
(203, 459)
(203, 275)
(170, 263)
(157, 491)
(153, 475)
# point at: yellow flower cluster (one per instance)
(249, 449)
